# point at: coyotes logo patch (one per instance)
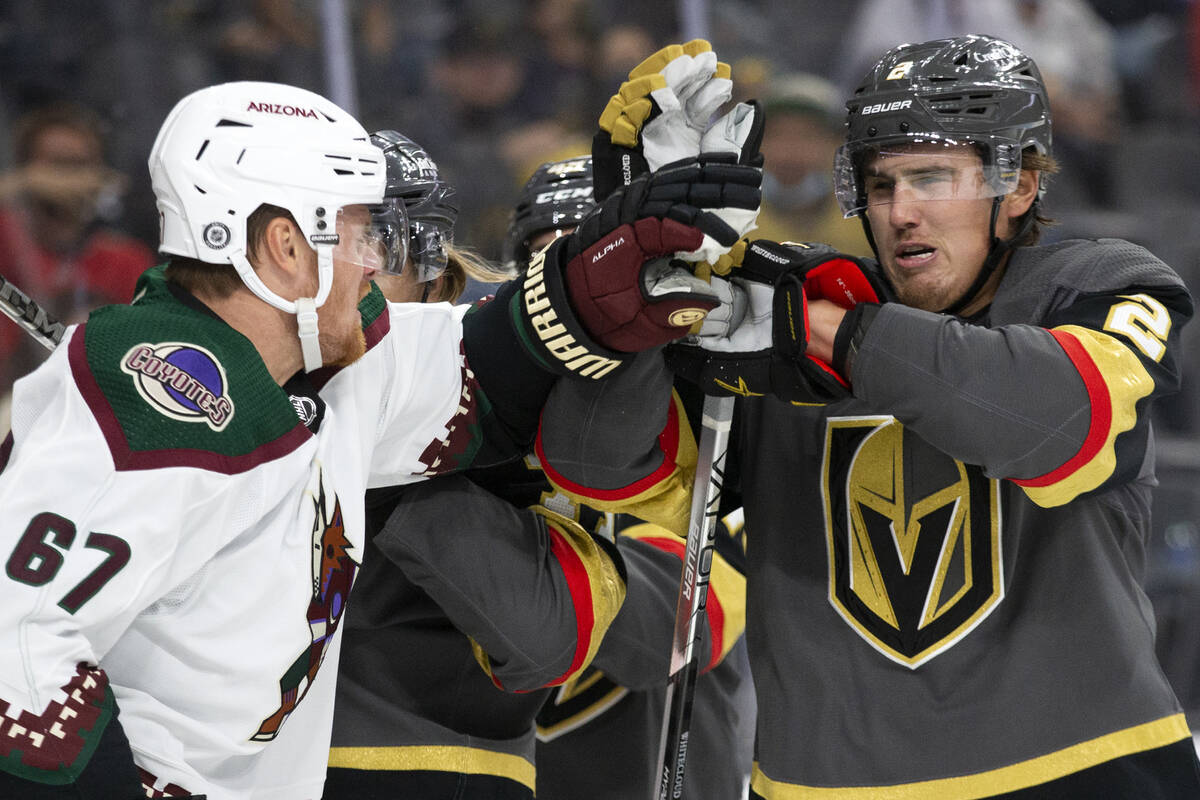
(914, 554)
(182, 381)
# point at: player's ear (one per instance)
(279, 257)
(284, 246)
(1021, 198)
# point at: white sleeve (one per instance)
(426, 400)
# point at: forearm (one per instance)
(534, 593)
(515, 387)
(622, 445)
(966, 389)
(636, 650)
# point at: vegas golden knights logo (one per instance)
(914, 554)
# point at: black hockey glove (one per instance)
(613, 286)
(761, 348)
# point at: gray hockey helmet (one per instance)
(971, 89)
(557, 195)
(429, 204)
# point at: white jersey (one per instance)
(169, 519)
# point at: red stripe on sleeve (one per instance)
(668, 443)
(1097, 389)
(581, 595)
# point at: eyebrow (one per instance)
(917, 169)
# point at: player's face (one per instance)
(930, 221)
(338, 319)
(402, 288)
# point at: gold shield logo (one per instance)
(686, 316)
(914, 554)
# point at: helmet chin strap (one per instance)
(305, 308)
(996, 252)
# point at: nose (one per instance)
(904, 210)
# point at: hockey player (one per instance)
(184, 480)
(521, 594)
(598, 733)
(518, 600)
(439, 270)
(949, 491)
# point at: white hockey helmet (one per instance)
(225, 150)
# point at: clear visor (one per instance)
(375, 241)
(924, 167)
(427, 246)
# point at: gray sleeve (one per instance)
(490, 568)
(604, 434)
(636, 651)
(1006, 398)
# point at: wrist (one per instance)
(849, 336)
(548, 326)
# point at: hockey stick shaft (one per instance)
(693, 593)
(24, 311)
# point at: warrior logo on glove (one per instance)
(616, 285)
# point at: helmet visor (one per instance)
(428, 240)
(924, 167)
(381, 245)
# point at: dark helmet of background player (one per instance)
(429, 202)
(557, 195)
(972, 89)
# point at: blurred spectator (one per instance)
(475, 81)
(1072, 46)
(804, 128)
(560, 42)
(795, 35)
(277, 40)
(395, 46)
(53, 242)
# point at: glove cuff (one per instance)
(613, 166)
(850, 335)
(549, 328)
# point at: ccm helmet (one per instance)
(225, 150)
(972, 89)
(558, 195)
(429, 203)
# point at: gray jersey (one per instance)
(943, 577)
(462, 595)
(944, 583)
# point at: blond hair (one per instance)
(462, 264)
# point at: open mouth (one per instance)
(914, 255)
